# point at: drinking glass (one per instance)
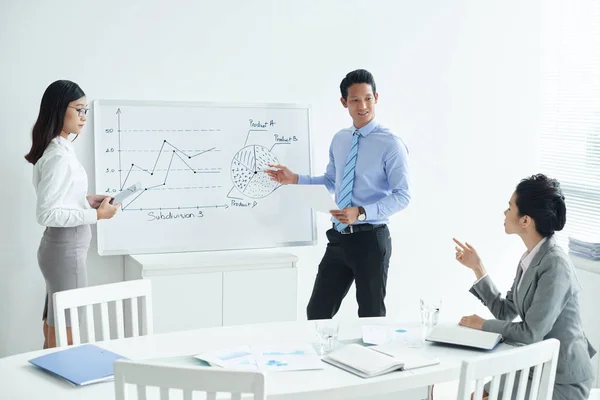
(430, 311)
(327, 330)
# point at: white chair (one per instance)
(103, 294)
(188, 379)
(542, 356)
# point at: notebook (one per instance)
(80, 365)
(463, 336)
(362, 361)
(368, 362)
(409, 356)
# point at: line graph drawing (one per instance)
(175, 152)
(169, 159)
(202, 167)
(156, 165)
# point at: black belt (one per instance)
(359, 228)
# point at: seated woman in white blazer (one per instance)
(545, 292)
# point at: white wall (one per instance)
(458, 81)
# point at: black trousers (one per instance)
(361, 257)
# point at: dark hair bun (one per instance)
(541, 198)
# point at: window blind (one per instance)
(570, 128)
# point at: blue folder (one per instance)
(80, 365)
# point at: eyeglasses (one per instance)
(80, 111)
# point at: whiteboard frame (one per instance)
(162, 103)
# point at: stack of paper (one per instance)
(381, 334)
(265, 358)
(584, 249)
(316, 197)
(122, 195)
(80, 365)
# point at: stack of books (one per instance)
(584, 249)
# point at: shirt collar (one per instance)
(528, 256)
(368, 128)
(61, 141)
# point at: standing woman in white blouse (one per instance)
(61, 186)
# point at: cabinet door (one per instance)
(588, 298)
(189, 301)
(255, 296)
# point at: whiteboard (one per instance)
(201, 168)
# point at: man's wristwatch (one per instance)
(362, 214)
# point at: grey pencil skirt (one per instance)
(62, 259)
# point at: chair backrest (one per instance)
(188, 379)
(541, 356)
(101, 295)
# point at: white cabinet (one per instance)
(267, 299)
(182, 304)
(198, 290)
(588, 273)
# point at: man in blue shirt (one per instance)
(368, 172)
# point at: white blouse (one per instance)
(61, 184)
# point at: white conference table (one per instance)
(21, 380)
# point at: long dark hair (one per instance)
(50, 120)
(541, 198)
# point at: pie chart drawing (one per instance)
(248, 171)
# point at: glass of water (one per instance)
(430, 311)
(327, 330)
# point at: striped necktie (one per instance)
(345, 199)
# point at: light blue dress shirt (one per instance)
(381, 179)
